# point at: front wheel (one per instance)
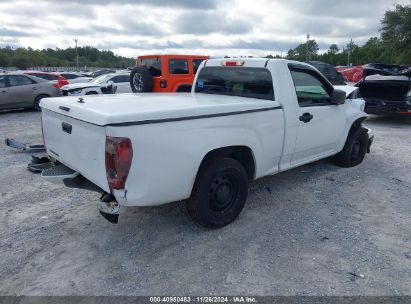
(354, 149)
(219, 193)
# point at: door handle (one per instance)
(66, 127)
(34, 89)
(4, 92)
(306, 117)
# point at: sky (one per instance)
(207, 27)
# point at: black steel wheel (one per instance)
(219, 193)
(354, 149)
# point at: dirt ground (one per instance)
(314, 230)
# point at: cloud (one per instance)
(188, 4)
(132, 27)
(211, 22)
(7, 32)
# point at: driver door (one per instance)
(320, 123)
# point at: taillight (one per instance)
(119, 153)
(163, 84)
(56, 85)
(63, 82)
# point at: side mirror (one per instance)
(338, 97)
(109, 84)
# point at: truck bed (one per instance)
(126, 108)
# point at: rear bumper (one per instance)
(370, 139)
(107, 205)
(381, 107)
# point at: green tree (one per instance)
(333, 49)
(4, 60)
(396, 33)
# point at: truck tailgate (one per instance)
(77, 144)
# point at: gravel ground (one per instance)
(314, 230)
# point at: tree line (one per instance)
(392, 47)
(24, 58)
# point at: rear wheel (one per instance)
(36, 104)
(354, 149)
(141, 80)
(219, 193)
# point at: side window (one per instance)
(2, 81)
(311, 91)
(196, 64)
(153, 64)
(18, 80)
(115, 79)
(70, 76)
(329, 71)
(125, 78)
(51, 77)
(178, 66)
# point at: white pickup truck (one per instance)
(243, 120)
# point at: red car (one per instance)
(51, 76)
(352, 74)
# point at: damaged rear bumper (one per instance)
(107, 205)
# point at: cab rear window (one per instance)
(236, 81)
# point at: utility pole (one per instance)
(349, 53)
(306, 48)
(75, 40)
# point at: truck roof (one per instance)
(255, 62)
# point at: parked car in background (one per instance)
(329, 72)
(58, 80)
(164, 73)
(104, 84)
(75, 77)
(387, 95)
(19, 90)
(352, 74)
(101, 72)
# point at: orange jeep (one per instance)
(164, 73)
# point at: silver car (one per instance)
(24, 91)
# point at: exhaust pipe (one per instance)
(109, 208)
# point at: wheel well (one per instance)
(41, 96)
(242, 154)
(184, 88)
(356, 124)
(38, 97)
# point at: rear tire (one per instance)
(219, 193)
(141, 80)
(354, 149)
(36, 104)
